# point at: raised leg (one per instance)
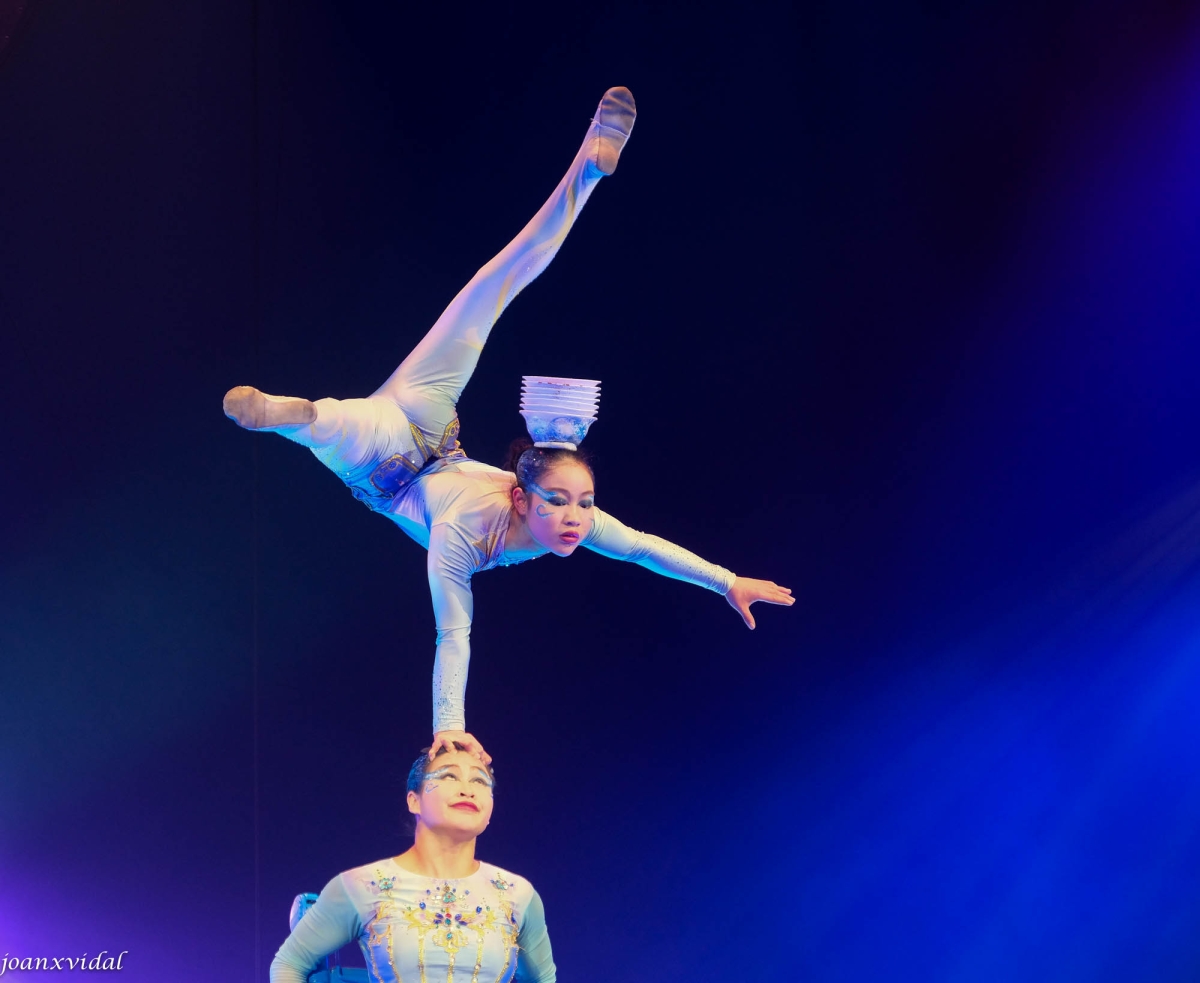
(428, 383)
(352, 436)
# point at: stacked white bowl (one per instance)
(558, 411)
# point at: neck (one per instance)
(517, 540)
(435, 854)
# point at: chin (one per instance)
(469, 824)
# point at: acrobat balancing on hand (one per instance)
(399, 453)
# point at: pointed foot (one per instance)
(611, 127)
(254, 410)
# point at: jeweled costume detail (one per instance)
(486, 928)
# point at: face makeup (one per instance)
(559, 511)
(457, 795)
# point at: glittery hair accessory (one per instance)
(558, 411)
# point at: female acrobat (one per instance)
(398, 449)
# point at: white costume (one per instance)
(398, 448)
(489, 926)
(460, 511)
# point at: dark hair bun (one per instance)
(515, 450)
(530, 463)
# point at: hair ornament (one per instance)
(558, 411)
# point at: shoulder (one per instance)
(365, 883)
(508, 884)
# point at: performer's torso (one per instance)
(420, 928)
(474, 496)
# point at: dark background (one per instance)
(895, 304)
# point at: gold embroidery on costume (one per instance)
(446, 915)
(384, 477)
(392, 955)
(383, 938)
(419, 441)
(384, 885)
(448, 446)
(478, 956)
(398, 470)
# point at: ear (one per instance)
(520, 500)
(414, 803)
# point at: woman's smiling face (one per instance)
(456, 794)
(558, 509)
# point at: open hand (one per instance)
(745, 592)
(447, 738)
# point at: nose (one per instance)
(573, 516)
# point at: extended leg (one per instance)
(430, 380)
(350, 436)
(345, 434)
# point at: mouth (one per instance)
(465, 806)
(570, 538)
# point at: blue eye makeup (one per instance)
(555, 499)
(433, 779)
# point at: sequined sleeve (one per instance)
(450, 566)
(327, 926)
(536, 962)
(611, 537)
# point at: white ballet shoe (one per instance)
(612, 125)
(254, 410)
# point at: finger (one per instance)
(747, 616)
(475, 748)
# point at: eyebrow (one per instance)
(446, 769)
(563, 491)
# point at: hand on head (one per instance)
(447, 739)
(745, 592)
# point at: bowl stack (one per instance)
(558, 411)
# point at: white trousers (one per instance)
(377, 443)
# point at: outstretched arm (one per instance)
(450, 567)
(611, 537)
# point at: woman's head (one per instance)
(452, 793)
(531, 464)
(554, 494)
